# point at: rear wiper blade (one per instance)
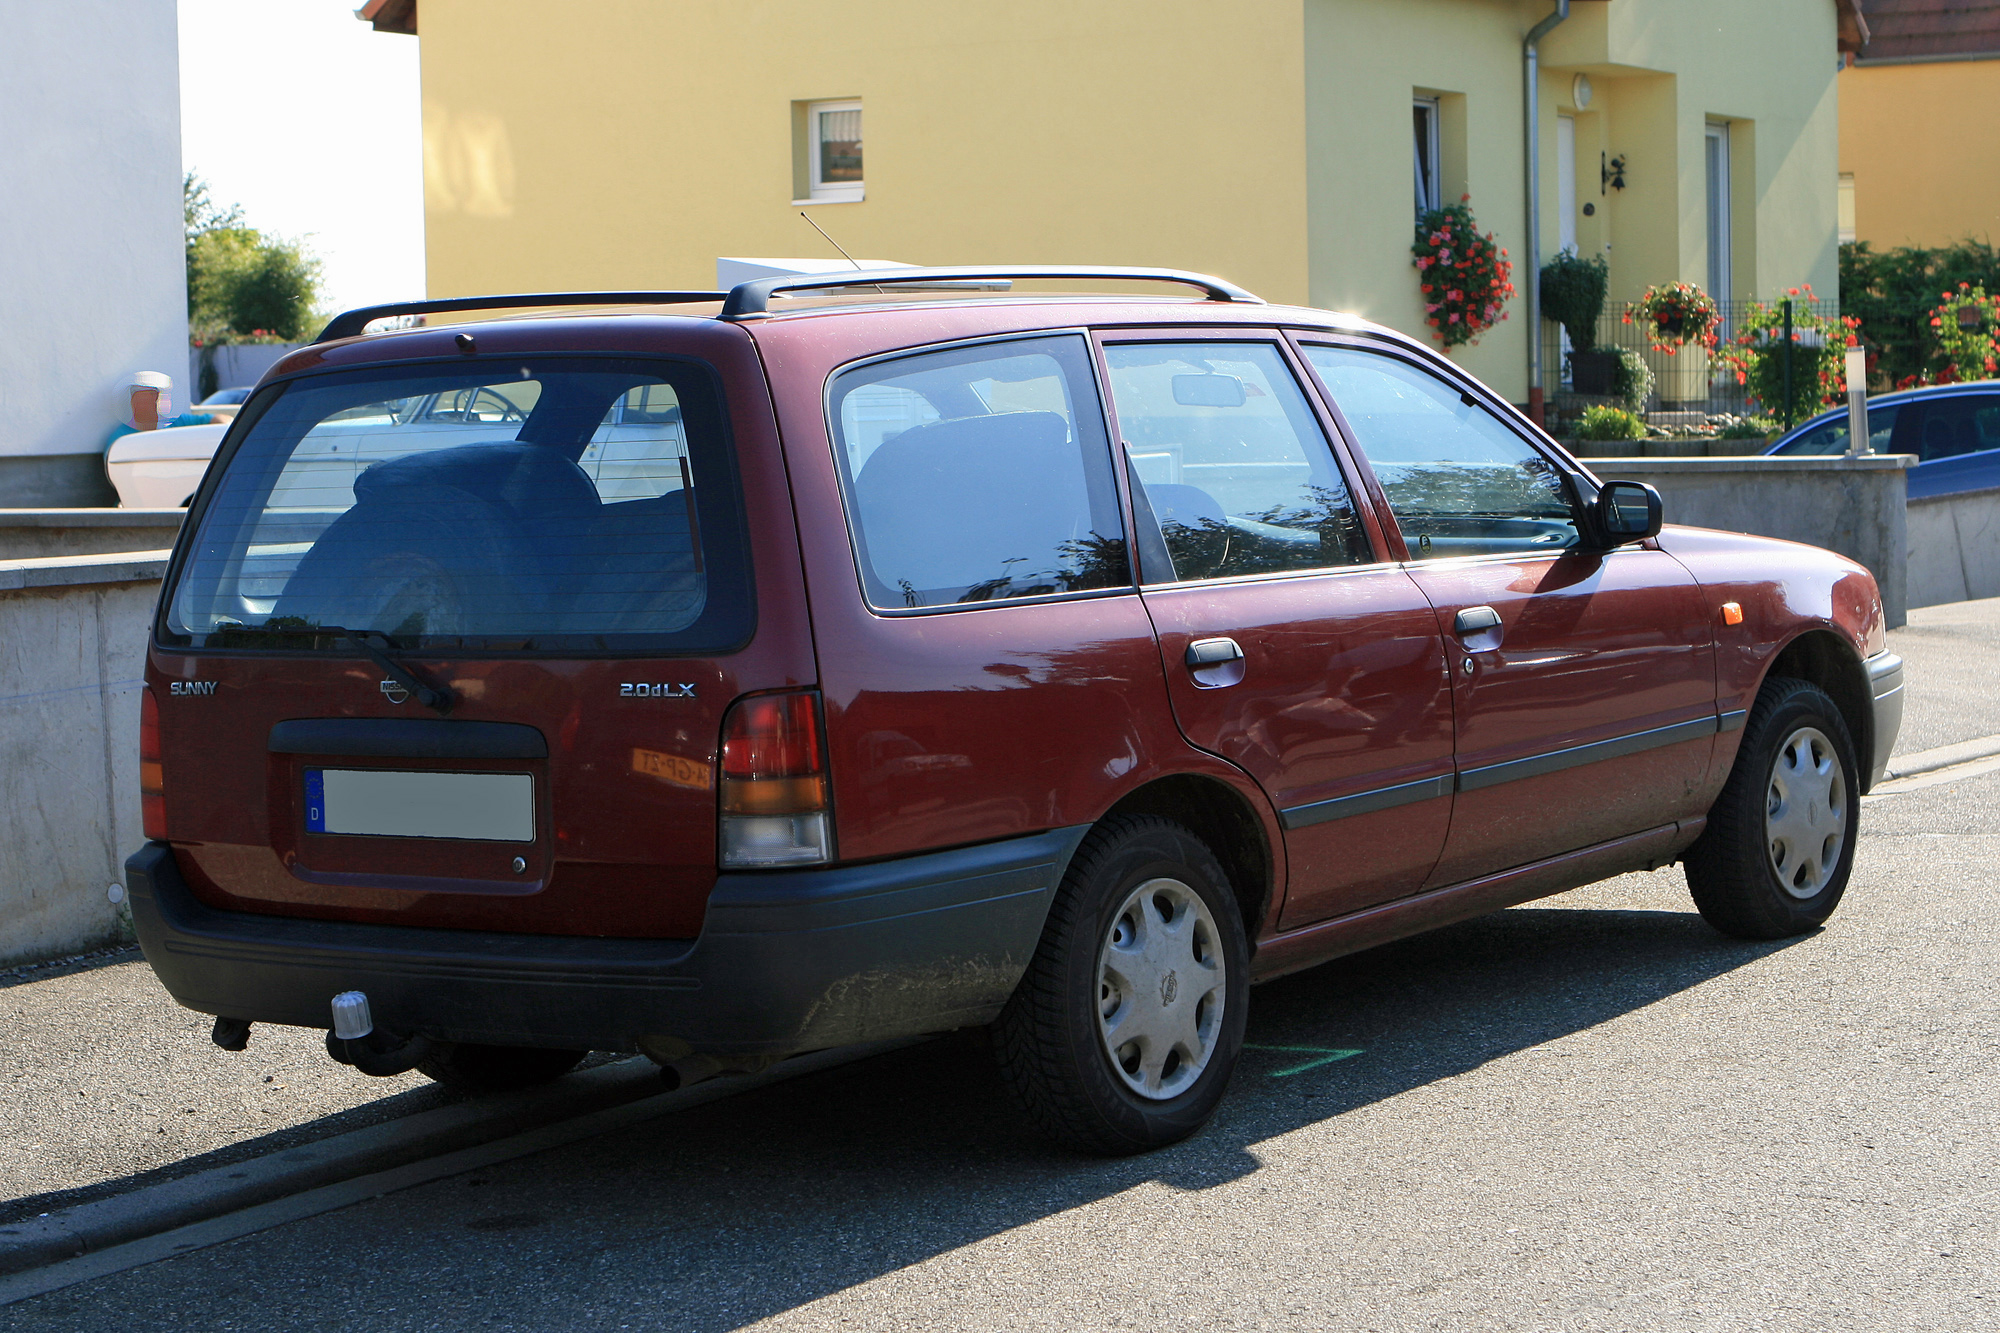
(372, 645)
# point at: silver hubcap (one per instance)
(1805, 813)
(1160, 982)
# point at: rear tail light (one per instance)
(152, 785)
(774, 789)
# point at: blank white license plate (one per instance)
(489, 807)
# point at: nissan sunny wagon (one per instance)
(732, 675)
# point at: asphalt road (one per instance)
(1588, 1113)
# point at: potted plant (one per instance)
(1573, 296)
(1462, 272)
(1676, 314)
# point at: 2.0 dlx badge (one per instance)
(643, 690)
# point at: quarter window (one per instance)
(1459, 481)
(1230, 462)
(978, 474)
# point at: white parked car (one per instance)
(162, 469)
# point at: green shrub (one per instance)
(1895, 293)
(1573, 295)
(1749, 428)
(1610, 423)
(1632, 382)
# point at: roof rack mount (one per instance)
(750, 300)
(350, 322)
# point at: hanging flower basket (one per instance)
(1676, 314)
(1462, 272)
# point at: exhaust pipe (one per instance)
(355, 1040)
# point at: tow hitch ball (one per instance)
(356, 1041)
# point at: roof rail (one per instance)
(748, 300)
(350, 322)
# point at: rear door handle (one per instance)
(1475, 620)
(1213, 652)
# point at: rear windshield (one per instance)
(558, 505)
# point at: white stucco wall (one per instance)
(92, 280)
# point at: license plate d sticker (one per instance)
(483, 807)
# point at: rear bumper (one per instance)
(1885, 687)
(788, 961)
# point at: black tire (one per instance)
(472, 1069)
(1745, 871)
(1051, 1041)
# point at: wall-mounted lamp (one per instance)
(1579, 92)
(1611, 173)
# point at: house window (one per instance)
(1425, 112)
(1846, 205)
(833, 149)
(1718, 210)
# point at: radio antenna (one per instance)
(829, 240)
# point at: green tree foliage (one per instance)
(243, 286)
(1896, 292)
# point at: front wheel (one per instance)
(1779, 845)
(1123, 1034)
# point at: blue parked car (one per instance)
(1953, 429)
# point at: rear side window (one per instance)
(1955, 424)
(563, 505)
(978, 474)
(1229, 459)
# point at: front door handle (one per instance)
(1475, 620)
(1213, 653)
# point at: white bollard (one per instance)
(1857, 402)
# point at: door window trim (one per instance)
(1270, 336)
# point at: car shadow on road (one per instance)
(746, 1208)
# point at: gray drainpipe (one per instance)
(1532, 250)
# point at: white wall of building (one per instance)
(92, 274)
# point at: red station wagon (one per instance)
(848, 659)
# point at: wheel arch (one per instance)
(1829, 661)
(1231, 826)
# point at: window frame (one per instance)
(1357, 483)
(843, 482)
(1580, 486)
(1426, 147)
(839, 192)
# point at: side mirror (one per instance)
(1627, 511)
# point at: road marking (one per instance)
(329, 1198)
(1322, 1055)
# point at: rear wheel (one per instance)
(471, 1068)
(1779, 845)
(1124, 1032)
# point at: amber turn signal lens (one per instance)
(1732, 613)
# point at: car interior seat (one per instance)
(953, 504)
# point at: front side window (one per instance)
(1231, 463)
(1955, 425)
(1830, 436)
(978, 474)
(833, 140)
(1459, 482)
(557, 505)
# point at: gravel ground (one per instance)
(1590, 1113)
(109, 1083)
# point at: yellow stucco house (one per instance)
(1920, 125)
(1281, 143)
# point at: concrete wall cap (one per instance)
(1755, 463)
(91, 518)
(74, 570)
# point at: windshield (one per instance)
(559, 505)
(1830, 436)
